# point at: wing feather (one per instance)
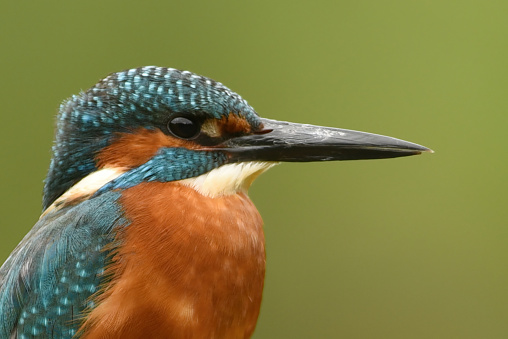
(47, 281)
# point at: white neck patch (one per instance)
(86, 186)
(225, 180)
(228, 179)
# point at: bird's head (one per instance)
(162, 124)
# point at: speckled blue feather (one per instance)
(46, 282)
(169, 164)
(141, 97)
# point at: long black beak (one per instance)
(287, 141)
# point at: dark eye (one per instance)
(184, 128)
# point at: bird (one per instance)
(147, 230)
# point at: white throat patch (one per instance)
(228, 179)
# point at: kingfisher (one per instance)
(147, 230)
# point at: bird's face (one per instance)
(160, 124)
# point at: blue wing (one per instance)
(46, 282)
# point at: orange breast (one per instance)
(189, 267)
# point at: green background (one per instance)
(403, 248)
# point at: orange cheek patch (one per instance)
(134, 149)
(233, 124)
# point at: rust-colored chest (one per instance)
(189, 266)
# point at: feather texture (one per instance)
(47, 281)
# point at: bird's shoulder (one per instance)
(46, 282)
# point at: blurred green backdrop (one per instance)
(403, 248)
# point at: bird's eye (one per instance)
(184, 128)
